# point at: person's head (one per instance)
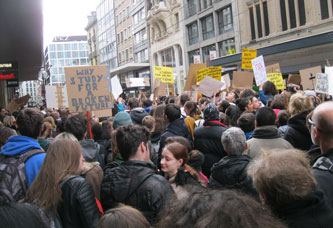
(159, 118)
(132, 142)
(215, 209)
(232, 96)
(183, 99)
(77, 125)
(29, 122)
(245, 104)
(282, 177)
(147, 103)
(123, 216)
(149, 122)
(322, 126)
(279, 102)
(233, 112)
(171, 112)
(256, 103)
(63, 159)
(203, 102)
(133, 103)
(282, 118)
(234, 141)
(179, 139)
(9, 121)
(265, 116)
(65, 135)
(224, 119)
(247, 93)
(97, 131)
(299, 103)
(121, 119)
(269, 88)
(3, 111)
(191, 108)
(107, 128)
(211, 112)
(222, 106)
(50, 120)
(5, 133)
(174, 156)
(46, 131)
(246, 122)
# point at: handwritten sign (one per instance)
(213, 72)
(209, 85)
(86, 88)
(242, 80)
(277, 79)
(192, 75)
(196, 59)
(274, 68)
(247, 56)
(324, 82)
(294, 79)
(164, 73)
(308, 77)
(259, 70)
(56, 96)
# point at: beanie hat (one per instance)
(211, 112)
(121, 119)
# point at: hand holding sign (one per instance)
(259, 70)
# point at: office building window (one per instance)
(283, 15)
(207, 25)
(224, 19)
(227, 47)
(177, 21)
(259, 21)
(292, 13)
(193, 35)
(168, 57)
(191, 55)
(259, 25)
(127, 54)
(266, 20)
(301, 9)
(253, 32)
(205, 52)
(324, 9)
(192, 7)
(180, 52)
(206, 3)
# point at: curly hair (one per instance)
(299, 103)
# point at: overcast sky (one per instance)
(66, 17)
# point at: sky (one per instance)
(66, 17)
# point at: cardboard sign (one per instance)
(247, 56)
(277, 79)
(103, 113)
(164, 73)
(160, 88)
(56, 96)
(308, 77)
(192, 75)
(274, 68)
(294, 79)
(242, 80)
(209, 85)
(259, 70)
(87, 89)
(213, 72)
(226, 81)
(137, 82)
(116, 87)
(16, 103)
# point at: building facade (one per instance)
(64, 51)
(92, 41)
(32, 88)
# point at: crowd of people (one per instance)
(250, 159)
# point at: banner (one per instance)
(259, 70)
(247, 56)
(164, 73)
(87, 88)
(160, 88)
(277, 79)
(308, 77)
(192, 75)
(213, 72)
(209, 85)
(242, 80)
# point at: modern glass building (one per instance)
(65, 51)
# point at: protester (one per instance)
(136, 112)
(245, 104)
(183, 99)
(232, 96)
(282, 122)
(5, 133)
(193, 114)
(9, 121)
(246, 122)
(267, 91)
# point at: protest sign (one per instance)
(160, 88)
(259, 70)
(87, 89)
(116, 87)
(294, 79)
(16, 103)
(212, 55)
(209, 85)
(226, 81)
(164, 73)
(192, 75)
(247, 56)
(274, 68)
(137, 82)
(323, 84)
(196, 59)
(242, 80)
(277, 79)
(213, 72)
(308, 77)
(58, 92)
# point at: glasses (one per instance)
(312, 123)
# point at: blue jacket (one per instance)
(21, 144)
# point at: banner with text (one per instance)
(213, 72)
(247, 56)
(259, 70)
(164, 73)
(277, 79)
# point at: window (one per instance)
(324, 9)
(128, 11)
(227, 47)
(205, 52)
(180, 53)
(253, 32)
(68, 54)
(168, 57)
(60, 55)
(131, 52)
(127, 54)
(52, 55)
(301, 9)
(266, 21)
(192, 7)
(177, 21)
(259, 21)
(224, 17)
(292, 13)
(122, 36)
(119, 57)
(60, 47)
(206, 3)
(283, 15)
(207, 27)
(191, 55)
(67, 47)
(120, 18)
(193, 36)
(297, 16)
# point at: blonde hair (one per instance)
(299, 103)
(50, 120)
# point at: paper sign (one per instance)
(259, 70)
(324, 84)
(164, 73)
(213, 72)
(308, 77)
(196, 59)
(192, 75)
(209, 85)
(275, 68)
(116, 87)
(56, 96)
(242, 80)
(247, 56)
(137, 82)
(212, 55)
(277, 79)
(294, 79)
(226, 80)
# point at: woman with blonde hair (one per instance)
(59, 190)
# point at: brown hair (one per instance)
(149, 122)
(50, 120)
(62, 160)
(159, 118)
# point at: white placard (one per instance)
(259, 70)
(226, 80)
(52, 99)
(116, 87)
(324, 82)
(208, 86)
(212, 55)
(196, 59)
(137, 82)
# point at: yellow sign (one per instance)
(277, 79)
(213, 72)
(164, 73)
(247, 56)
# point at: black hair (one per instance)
(246, 122)
(129, 137)
(242, 103)
(265, 116)
(269, 88)
(172, 112)
(147, 103)
(278, 102)
(283, 117)
(77, 125)
(29, 122)
(183, 99)
(247, 93)
(223, 106)
(133, 102)
(233, 112)
(192, 107)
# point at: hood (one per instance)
(298, 122)
(266, 132)
(155, 136)
(19, 144)
(90, 150)
(137, 114)
(178, 127)
(126, 178)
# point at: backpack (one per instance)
(13, 178)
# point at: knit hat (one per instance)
(211, 112)
(121, 119)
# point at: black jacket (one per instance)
(78, 207)
(231, 173)
(207, 139)
(136, 183)
(137, 115)
(92, 151)
(297, 134)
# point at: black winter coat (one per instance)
(207, 139)
(297, 134)
(231, 173)
(136, 183)
(78, 208)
